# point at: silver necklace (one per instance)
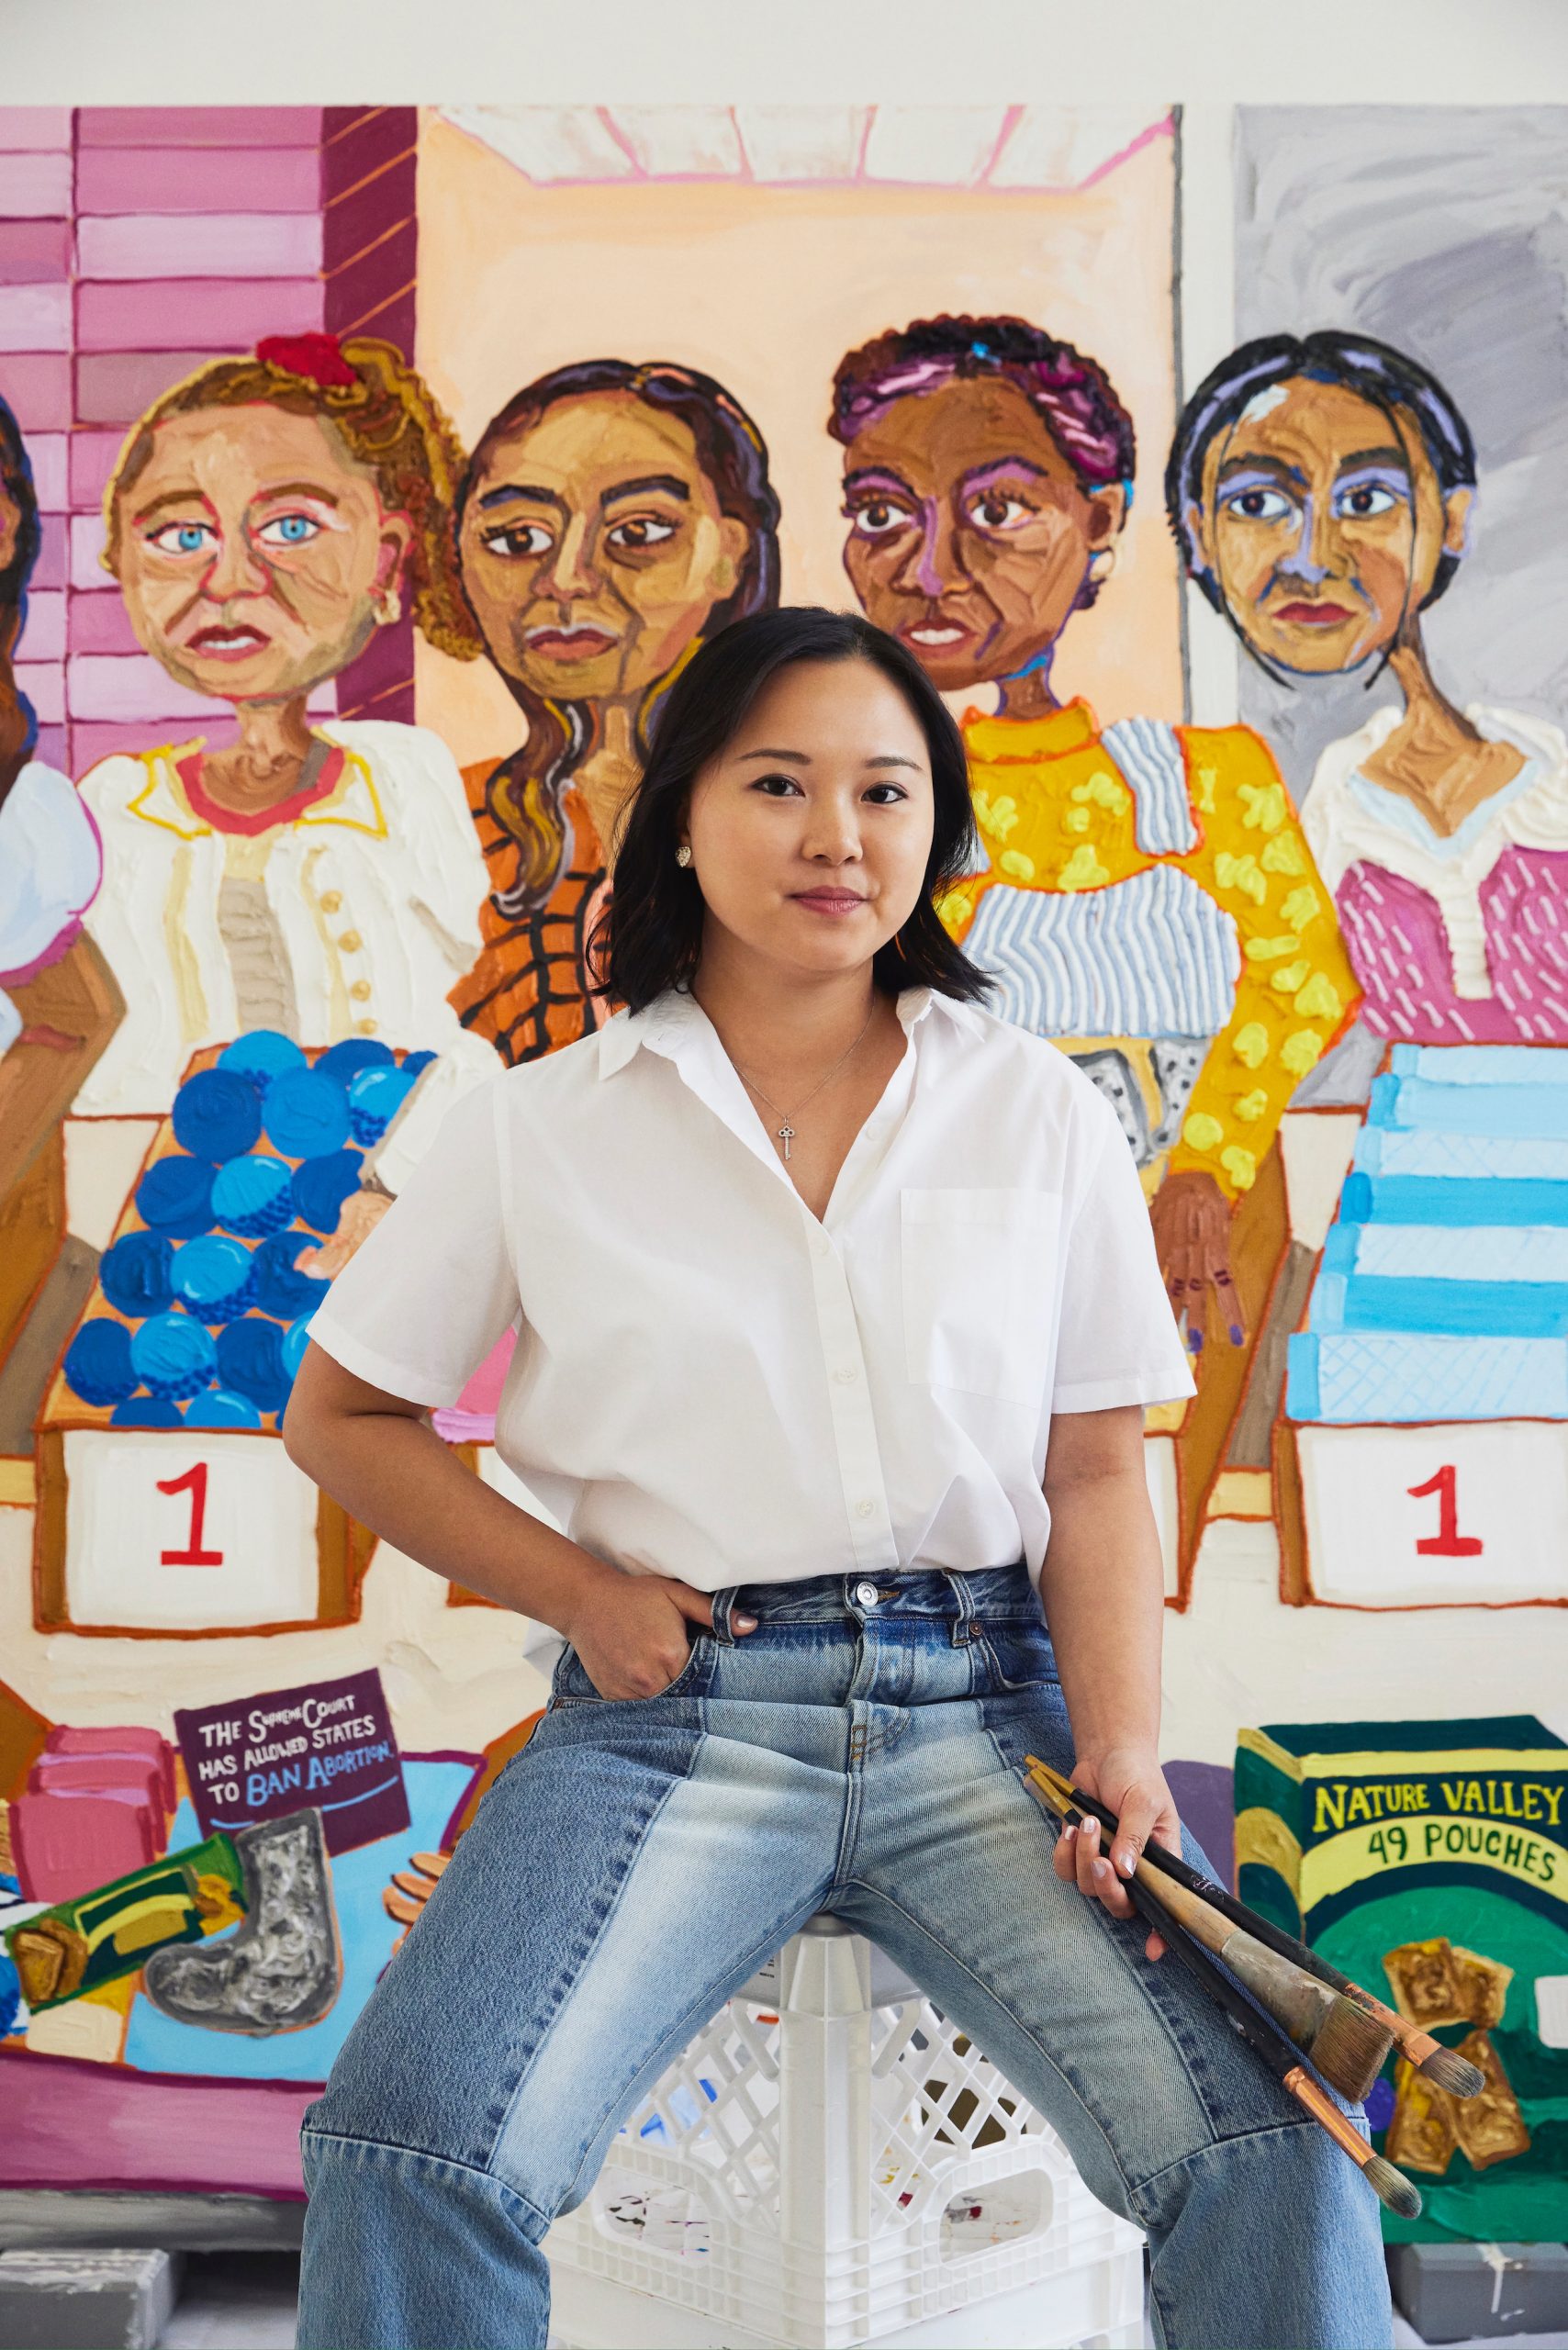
(786, 1132)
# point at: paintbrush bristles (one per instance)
(1349, 2049)
(1448, 2070)
(1392, 2187)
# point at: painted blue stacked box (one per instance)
(1442, 1293)
(211, 1309)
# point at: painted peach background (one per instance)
(765, 288)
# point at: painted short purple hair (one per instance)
(1071, 394)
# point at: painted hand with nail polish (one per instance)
(1130, 1783)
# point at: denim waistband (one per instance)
(993, 1594)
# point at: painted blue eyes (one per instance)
(190, 537)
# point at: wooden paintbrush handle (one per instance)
(1305, 2091)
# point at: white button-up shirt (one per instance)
(709, 1382)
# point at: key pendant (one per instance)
(786, 1135)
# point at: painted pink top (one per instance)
(1456, 940)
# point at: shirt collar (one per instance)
(673, 1015)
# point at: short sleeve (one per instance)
(424, 1299)
(1118, 1340)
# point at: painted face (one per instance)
(970, 536)
(254, 552)
(594, 550)
(811, 831)
(1323, 522)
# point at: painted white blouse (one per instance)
(709, 1382)
(373, 891)
(49, 867)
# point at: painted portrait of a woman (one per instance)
(612, 518)
(314, 876)
(1148, 899)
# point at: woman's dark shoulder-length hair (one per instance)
(649, 936)
(1389, 380)
(525, 793)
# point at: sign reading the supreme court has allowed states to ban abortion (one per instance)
(330, 1743)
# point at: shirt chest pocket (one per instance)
(978, 1282)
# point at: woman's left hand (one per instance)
(1132, 1785)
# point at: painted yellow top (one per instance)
(1055, 813)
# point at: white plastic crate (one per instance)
(830, 2162)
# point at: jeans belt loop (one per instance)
(965, 1627)
(723, 1601)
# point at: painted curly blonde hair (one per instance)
(388, 420)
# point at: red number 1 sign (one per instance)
(193, 1483)
(1447, 1542)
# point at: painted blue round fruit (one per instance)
(97, 1365)
(214, 1277)
(342, 1062)
(220, 1407)
(305, 1113)
(261, 1055)
(253, 1195)
(282, 1289)
(147, 1411)
(175, 1196)
(321, 1185)
(296, 1338)
(414, 1062)
(250, 1362)
(137, 1273)
(376, 1096)
(217, 1115)
(173, 1356)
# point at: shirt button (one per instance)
(866, 1593)
(330, 901)
(360, 991)
(864, 1509)
(365, 1028)
(846, 1377)
(350, 942)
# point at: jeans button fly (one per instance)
(867, 1594)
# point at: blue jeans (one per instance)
(859, 1752)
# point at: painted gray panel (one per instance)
(1444, 232)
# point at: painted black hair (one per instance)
(1389, 380)
(649, 936)
(17, 477)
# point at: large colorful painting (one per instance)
(366, 477)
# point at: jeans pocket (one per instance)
(571, 1687)
(1018, 1656)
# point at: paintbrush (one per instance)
(1389, 2185)
(1445, 2066)
(1348, 2046)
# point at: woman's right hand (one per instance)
(630, 1631)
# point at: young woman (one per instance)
(611, 518)
(1147, 897)
(837, 1301)
(319, 877)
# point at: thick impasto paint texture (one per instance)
(367, 475)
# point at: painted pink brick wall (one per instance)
(25, 129)
(36, 386)
(197, 179)
(115, 387)
(36, 262)
(199, 126)
(220, 244)
(34, 252)
(35, 318)
(148, 315)
(34, 185)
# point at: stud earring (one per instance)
(391, 608)
(683, 854)
(1102, 563)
